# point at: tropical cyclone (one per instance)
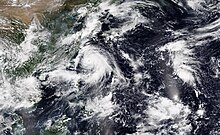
(141, 67)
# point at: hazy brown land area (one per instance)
(16, 15)
(25, 10)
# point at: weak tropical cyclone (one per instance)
(115, 67)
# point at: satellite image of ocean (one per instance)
(109, 67)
